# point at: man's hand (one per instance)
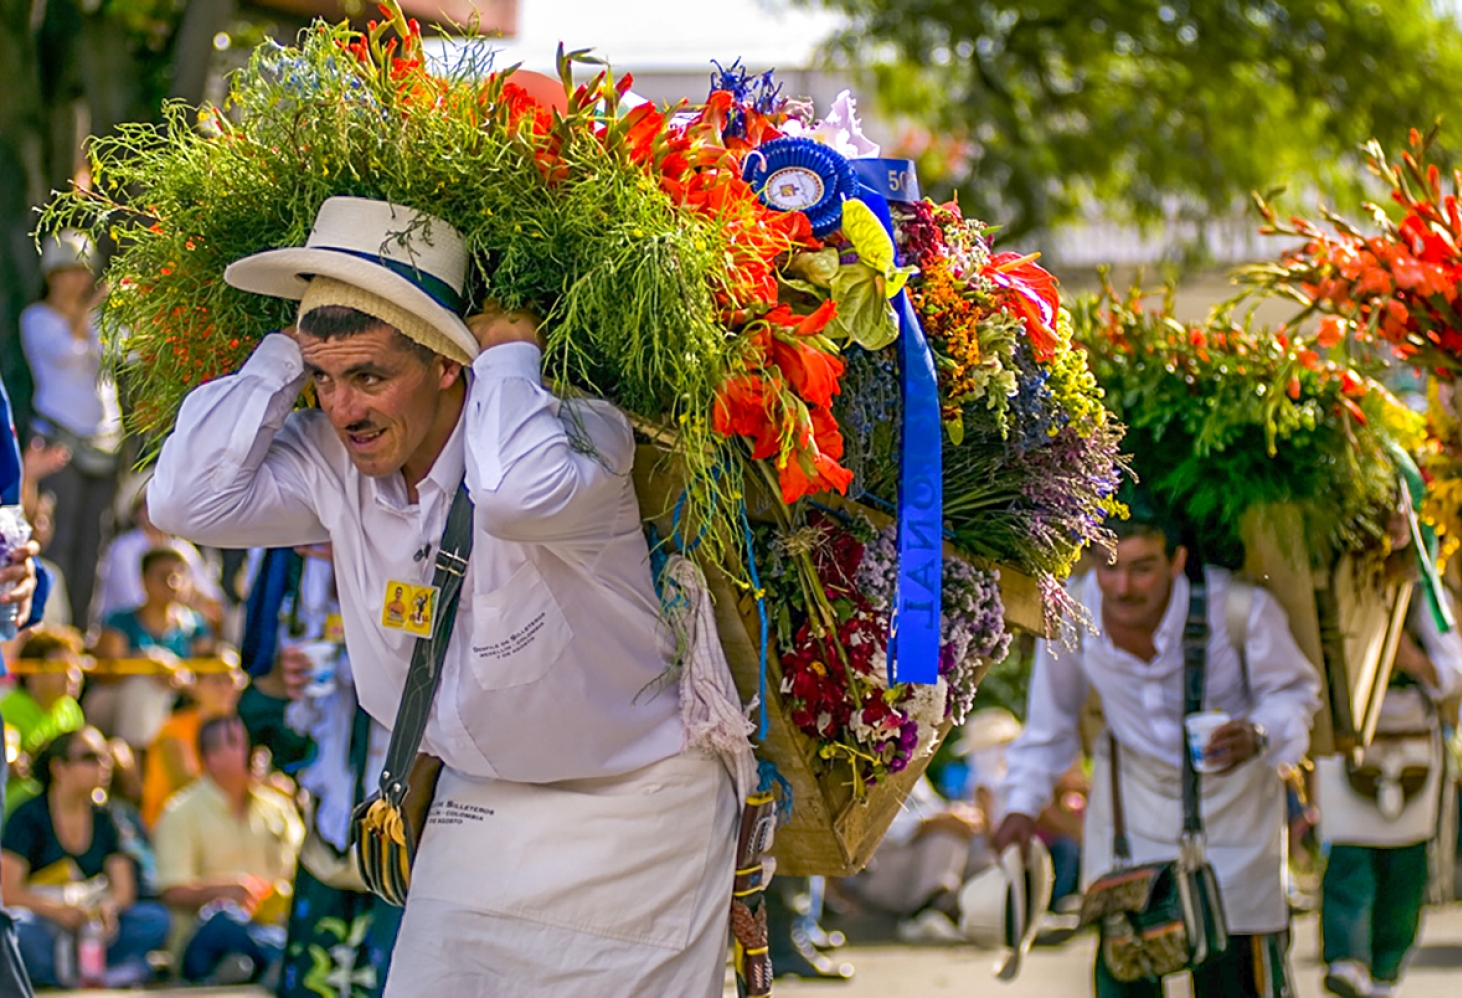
(292, 672)
(493, 327)
(1232, 745)
(42, 460)
(1015, 830)
(71, 917)
(22, 573)
(1411, 660)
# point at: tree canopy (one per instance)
(1036, 108)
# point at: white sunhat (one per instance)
(404, 267)
(987, 728)
(1003, 906)
(67, 249)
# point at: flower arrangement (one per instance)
(1396, 286)
(758, 343)
(838, 690)
(1224, 417)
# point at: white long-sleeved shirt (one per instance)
(71, 390)
(1143, 701)
(550, 674)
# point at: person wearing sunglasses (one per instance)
(64, 871)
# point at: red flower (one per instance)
(814, 467)
(813, 373)
(1034, 298)
(744, 408)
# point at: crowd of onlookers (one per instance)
(142, 833)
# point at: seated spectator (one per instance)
(931, 849)
(62, 866)
(172, 758)
(135, 707)
(226, 849)
(119, 577)
(43, 703)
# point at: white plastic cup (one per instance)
(322, 655)
(1201, 727)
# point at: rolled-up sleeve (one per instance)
(1444, 648)
(540, 469)
(238, 471)
(1051, 739)
(1283, 684)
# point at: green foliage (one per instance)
(1036, 108)
(556, 215)
(1222, 418)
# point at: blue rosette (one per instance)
(795, 160)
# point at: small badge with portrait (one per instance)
(408, 607)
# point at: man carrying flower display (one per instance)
(1254, 672)
(574, 847)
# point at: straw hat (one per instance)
(67, 249)
(986, 729)
(1003, 906)
(404, 267)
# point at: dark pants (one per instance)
(1370, 905)
(230, 932)
(83, 521)
(1251, 967)
(141, 929)
(13, 978)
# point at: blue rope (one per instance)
(761, 612)
(675, 525)
(768, 778)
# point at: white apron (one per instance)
(1350, 818)
(600, 888)
(1243, 819)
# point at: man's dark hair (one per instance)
(331, 321)
(1147, 518)
(156, 555)
(211, 732)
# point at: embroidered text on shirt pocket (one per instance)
(518, 630)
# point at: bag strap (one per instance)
(1121, 847)
(425, 673)
(1195, 662)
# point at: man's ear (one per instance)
(451, 372)
(1180, 561)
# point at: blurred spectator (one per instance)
(226, 849)
(172, 759)
(134, 708)
(42, 460)
(931, 849)
(76, 406)
(1061, 826)
(62, 866)
(119, 577)
(302, 707)
(43, 703)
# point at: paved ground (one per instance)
(886, 971)
(893, 971)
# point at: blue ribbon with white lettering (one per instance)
(913, 642)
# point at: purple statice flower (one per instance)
(972, 619)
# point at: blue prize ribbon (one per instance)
(913, 642)
(895, 179)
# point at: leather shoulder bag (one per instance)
(1162, 918)
(386, 827)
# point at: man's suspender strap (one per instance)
(425, 673)
(1195, 661)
